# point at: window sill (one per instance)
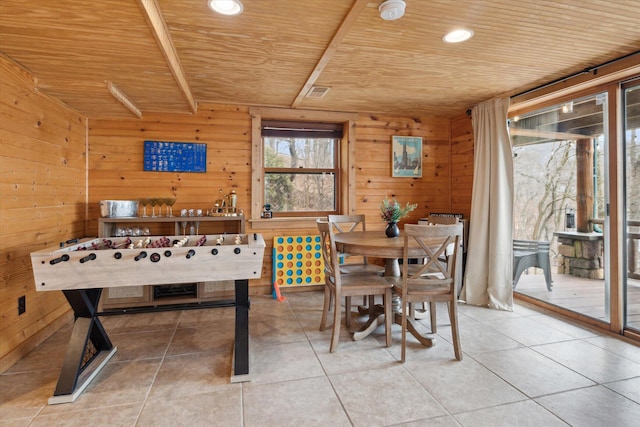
(289, 223)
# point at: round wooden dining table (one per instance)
(377, 245)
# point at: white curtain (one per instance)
(489, 268)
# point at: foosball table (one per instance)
(81, 270)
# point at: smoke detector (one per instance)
(391, 9)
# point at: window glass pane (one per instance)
(300, 192)
(560, 195)
(299, 152)
(632, 201)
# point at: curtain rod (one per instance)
(593, 70)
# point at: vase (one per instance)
(392, 230)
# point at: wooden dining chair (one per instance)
(339, 285)
(433, 281)
(351, 263)
(440, 220)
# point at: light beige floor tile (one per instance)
(111, 416)
(527, 331)
(441, 350)
(191, 374)
(310, 323)
(202, 339)
(271, 329)
(217, 408)
(141, 322)
(384, 396)
(485, 314)
(619, 347)
(140, 345)
(284, 362)
(593, 406)
(23, 395)
(308, 402)
(117, 384)
(19, 422)
(353, 356)
(524, 414)
(593, 362)
(629, 388)
(208, 317)
(445, 421)
(532, 373)
(462, 386)
(476, 337)
(565, 326)
(48, 355)
(111, 322)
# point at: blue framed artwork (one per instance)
(163, 156)
(406, 156)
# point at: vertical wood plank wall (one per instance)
(461, 164)
(373, 166)
(42, 202)
(45, 174)
(116, 155)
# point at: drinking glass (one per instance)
(160, 202)
(144, 202)
(153, 202)
(170, 203)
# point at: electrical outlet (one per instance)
(22, 305)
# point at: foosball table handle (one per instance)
(64, 257)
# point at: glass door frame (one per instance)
(631, 83)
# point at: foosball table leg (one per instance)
(241, 346)
(89, 348)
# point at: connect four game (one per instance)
(297, 261)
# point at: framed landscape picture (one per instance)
(406, 156)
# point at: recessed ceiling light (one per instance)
(457, 36)
(226, 7)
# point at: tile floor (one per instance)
(525, 367)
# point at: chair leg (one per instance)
(325, 307)
(455, 334)
(403, 324)
(388, 316)
(347, 312)
(432, 308)
(546, 268)
(335, 335)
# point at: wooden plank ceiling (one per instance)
(170, 55)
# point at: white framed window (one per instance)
(300, 163)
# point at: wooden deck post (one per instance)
(584, 185)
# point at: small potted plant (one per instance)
(391, 212)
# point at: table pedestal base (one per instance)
(376, 318)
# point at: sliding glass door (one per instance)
(561, 193)
(631, 121)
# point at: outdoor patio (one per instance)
(585, 296)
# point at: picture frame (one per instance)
(406, 157)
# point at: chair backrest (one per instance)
(329, 253)
(347, 223)
(436, 242)
(435, 219)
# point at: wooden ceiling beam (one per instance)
(345, 26)
(120, 96)
(153, 16)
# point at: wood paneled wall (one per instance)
(116, 163)
(461, 164)
(42, 202)
(373, 166)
